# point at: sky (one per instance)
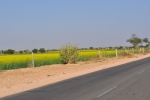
(49, 24)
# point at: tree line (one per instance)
(43, 50)
(10, 51)
(136, 41)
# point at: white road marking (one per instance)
(106, 91)
(141, 72)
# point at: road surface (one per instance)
(129, 81)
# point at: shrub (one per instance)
(69, 53)
(126, 54)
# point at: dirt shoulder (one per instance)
(15, 81)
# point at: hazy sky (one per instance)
(28, 24)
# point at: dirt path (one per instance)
(15, 81)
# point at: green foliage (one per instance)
(9, 51)
(35, 50)
(42, 50)
(147, 41)
(69, 53)
(26, 51)
(134, 40)
(121, 47)
(21, 52)
(125, 53)
(91, 48)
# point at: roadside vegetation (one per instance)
(69, 53)
(25, 60)
(9, 59)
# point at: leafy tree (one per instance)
(69, 53)
(147, 41)
(35, 50)
(121, 47)
(100, 48)
(21, 52)
(26, 51)
(9, 51)
(147, 45)
(91, 48)
(134, 40)
(42, 50)
(110, 47)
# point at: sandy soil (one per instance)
(15, 81)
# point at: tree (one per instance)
(35, 50)
(69, 53)
(9, 51)
(42, 50)
(147, 41)
(121, 47)
(26, 51)
(91, 48)
(21, 52)
(134, 40)
(110, 47)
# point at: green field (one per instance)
(25, 60)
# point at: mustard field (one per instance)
(25, 60)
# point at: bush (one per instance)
(69, 53)
(126, 53)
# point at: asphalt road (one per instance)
(129, 81)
